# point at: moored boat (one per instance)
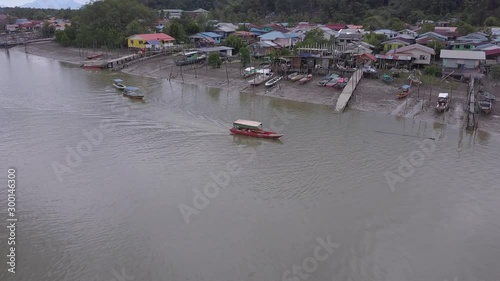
(132, 92)
(323, 81)
(297, 77)
(404, 93)
(93, 64)
(443, 103)
(485, 106)
(261, 78)
(291, 75)
(252, 129)
(118, 84)
(414, 80)
(273, 81)
(487, 96)
(306, 79)
(94, 56)
(249, 71)
(387, 78)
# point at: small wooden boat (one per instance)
(249, 71)
(95, 56)
(414, 80)
(443, 103)
(485, 106)
(93, 64)
(341, 83)
(261, 78)
(252, 129)
(306, 79)
(487, 96)
(323, 81)
(291, 75)
(133, 93)
(118, 84)
(273, 81)
(387, 78)
(404, 93)
(297, 77)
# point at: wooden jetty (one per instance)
(346, 94)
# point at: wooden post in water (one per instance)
(227, 74)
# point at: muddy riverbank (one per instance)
(370, 95)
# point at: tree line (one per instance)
(109, 22)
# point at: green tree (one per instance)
(495, 71)
(436, 45)
(192, 27)
(134, 27)
(235, 42)
(432, 69)
(214, 60)
(244, 56)
(465, 28)
(427, 27)
(47, 30)
(374, 39)
(397, 24)
(491, 21)
(39, 15)
(106, 23)
(65, 41)
(176, 30)
(374, 23)
(313, 37)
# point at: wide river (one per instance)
(108, 188)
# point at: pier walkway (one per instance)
(346, 94)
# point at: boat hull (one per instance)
(402, 95)
(256, 134)
(273, 81)
(119, 87)
(91, 66)
(134, 97)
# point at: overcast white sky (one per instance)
(12, 3)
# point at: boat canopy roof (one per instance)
(117, 80)
(247, 124)
(443, 95)
(406, 87)
(131, 89)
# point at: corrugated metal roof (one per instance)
(467, 55)
(210, 34)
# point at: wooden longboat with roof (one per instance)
(252, 129)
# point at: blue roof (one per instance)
(154, 42)
(291, 35)
(209, 34)
(256, 30)
(273, 35)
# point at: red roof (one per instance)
(492, 52)
(336, 26)
(155, 36)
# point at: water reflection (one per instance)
(483, 137)
(214, 93)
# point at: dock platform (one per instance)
(348, 90)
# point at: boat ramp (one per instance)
(346, 94)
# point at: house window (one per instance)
(423, 57)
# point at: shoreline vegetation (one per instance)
(371, 95)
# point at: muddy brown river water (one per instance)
(112, 189)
